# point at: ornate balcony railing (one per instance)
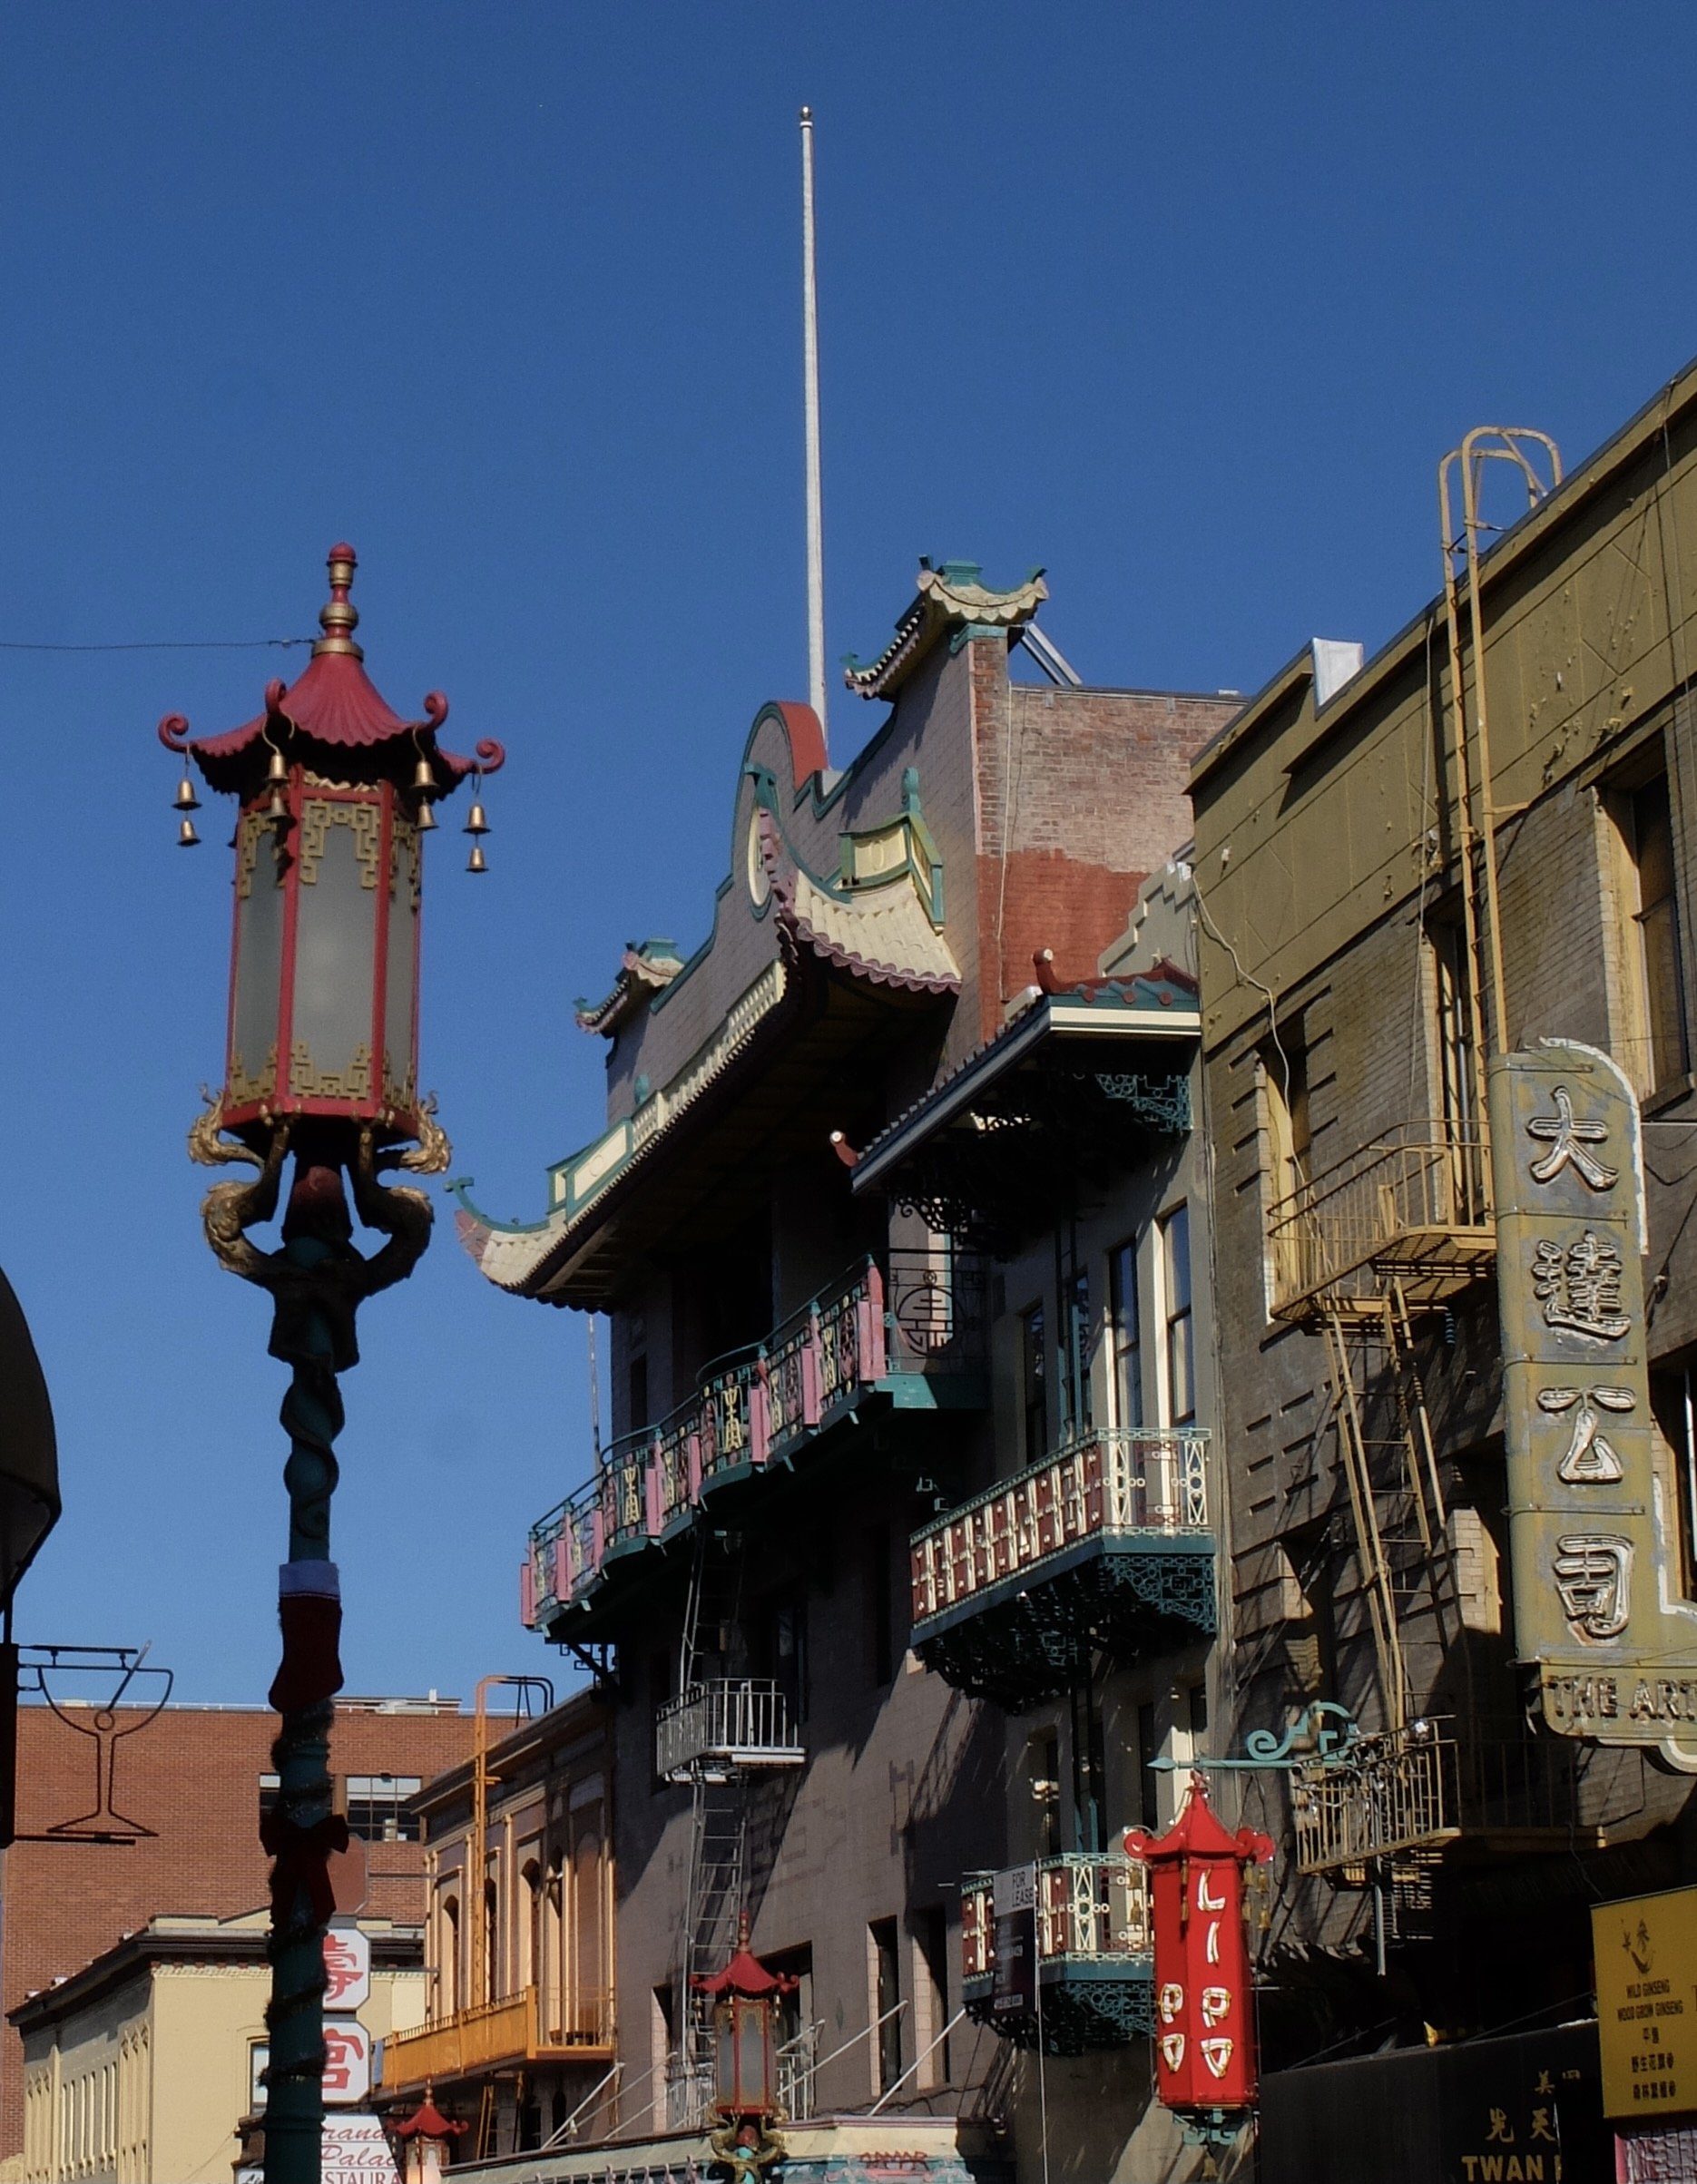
(1113, 1482)
(926, 1320)
(1091, 1919)
(495, 2032)
(731, 1721)
(1414, 1204)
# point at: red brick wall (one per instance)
(1082, 794)
(192, 1775)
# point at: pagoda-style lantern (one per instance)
(334, 791)
(1204, 2003)
(426, 2138)
(744, 2000)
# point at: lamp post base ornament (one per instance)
(748, 2146)
(317, 1282)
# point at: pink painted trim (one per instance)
(597, 1535)
(527, 1593)
(761, 1414)
(563, 1566)
(695, 1466)
(812, 1373)
(874, 1362)
(651, 1494)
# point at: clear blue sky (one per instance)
(1183, 302)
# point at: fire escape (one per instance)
(723, 1735)
(1401, 1229)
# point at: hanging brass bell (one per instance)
(186, 799)
(187, 838)
(427, 818)
(424, 777)
(277, 770)
(475, 862)
(477, 823)
(277, 810)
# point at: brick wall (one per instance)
(192, 1775)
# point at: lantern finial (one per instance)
(340, 618)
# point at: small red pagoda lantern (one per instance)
(334, 791)
(744, 1998)
(1204, 1998)
(425, 2137)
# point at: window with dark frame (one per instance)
(887, 2000)
(1125, 1336)
(1034, 1383)
(1649, 827)
(380, 1808)
(1181, 1360)
(931, 1937)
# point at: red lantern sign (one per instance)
(1204, 2000)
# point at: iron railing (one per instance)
(927, 1316)
(1413, 1202)
(1091, 1907)
(732, 1722)
(1111, 1481)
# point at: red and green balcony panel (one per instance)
(1059, 1953)
(1107, 1544)
(908, 1335)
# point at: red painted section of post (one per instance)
(812, 1371)
(527, 1593)
(760, 1413)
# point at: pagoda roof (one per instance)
(646, 968)
(333, 705)
(949, 601)
(885, 932)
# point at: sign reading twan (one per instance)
(1592, 1524)
(1646, 1957)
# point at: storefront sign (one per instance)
(1204, 1986)
(1646, 1958)
(346, 2062)
(1014, 1904)
(1593, 1529)
(347, 1969)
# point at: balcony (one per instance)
(497, 2035)
(732, 1722)
(1109, 1543)
(910, 1337)
(1413, 1207)
(1094, 1983)
(1437, 1783)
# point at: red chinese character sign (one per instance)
(1204, 1998)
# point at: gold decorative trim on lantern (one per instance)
(317, 780)
(404, 844)
(307, 1083)
(255, 828)
(318, 815)
(242, 1088)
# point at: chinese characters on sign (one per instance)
(1594, 1596)
(347, 1969)
(1204, 2000)
(1646, 1957)
(346, 2062)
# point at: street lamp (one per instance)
(744, 1998)
(334, 793)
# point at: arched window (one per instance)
(491, 1940)
(447, 1967)
(530, 1944)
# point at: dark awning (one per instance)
(29, 1456)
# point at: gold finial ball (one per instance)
(807, 114)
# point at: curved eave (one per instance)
(942, 606)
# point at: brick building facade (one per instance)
(193, 1776)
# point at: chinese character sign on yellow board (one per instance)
(1593, 1533)
(1646, 1953)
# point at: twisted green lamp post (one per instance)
(334, 793)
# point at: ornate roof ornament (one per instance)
(950, 600)
(646, 968)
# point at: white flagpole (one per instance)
(810, 369)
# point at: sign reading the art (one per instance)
(1646, 1957)
(1204, 1987)
(1592, 1524)
(346, 1968)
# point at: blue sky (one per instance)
(1184, 303)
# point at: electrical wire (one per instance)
(1249, 979)
(167, 644)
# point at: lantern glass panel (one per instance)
(755, 2058)
(400, 1044)
(725, 2058)
(335, 950)
(259, 894)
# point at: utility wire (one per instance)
(168, 644)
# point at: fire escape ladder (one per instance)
(711, 1638)
(1426, 1486)
(1376, 1572)
(714, 1899)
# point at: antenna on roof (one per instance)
(811, 376)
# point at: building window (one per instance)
(1076, 1402)
(447, 1971)
(1175, 1281)
(1284, 1067)
(1044, 1760)
(931, 1964)
(1650, 841)
(887, 2001)
(259, 2057)
(271, 1790)
(1125, 1333)
(380, 1808)
(1034, 1383)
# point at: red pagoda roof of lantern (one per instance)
(335, 705)
(428, 2121)
(745, 1974)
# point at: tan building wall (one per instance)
(145, 2080)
